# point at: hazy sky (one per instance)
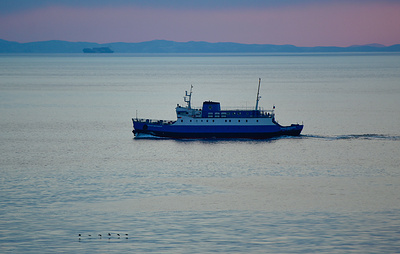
(297, 22)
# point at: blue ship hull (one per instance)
(217, 131)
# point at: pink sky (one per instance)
(329, 23)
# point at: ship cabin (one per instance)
(212, 109)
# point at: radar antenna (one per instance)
(188, 97)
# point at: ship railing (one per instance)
(255, 113)
(246, 108)
(231, 108)
(267, 113)
(153, 121)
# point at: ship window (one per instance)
(247, 121)
(181, 121)
(239, 121)
(190, 120)
(207, 121)
(257, 121)
(213, 120)
(229, 120)
(226, 121)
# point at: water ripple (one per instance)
(355, 136)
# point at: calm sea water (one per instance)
(69, 164)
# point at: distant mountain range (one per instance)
(163, 46)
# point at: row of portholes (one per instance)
(239, 121)
(198, 121)
(214, 121)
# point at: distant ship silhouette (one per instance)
(98, 50)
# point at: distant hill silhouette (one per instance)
(163, 46)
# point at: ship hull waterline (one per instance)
(215, 132)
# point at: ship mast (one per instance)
(258, 93)
(188, 97)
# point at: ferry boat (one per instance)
(211, 121)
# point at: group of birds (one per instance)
(109, 235)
